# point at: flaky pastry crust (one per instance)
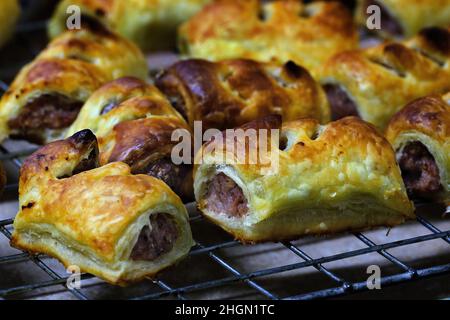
(380, 80)
(230, 93)
(279, 30)
(92, 217)
(326, 179)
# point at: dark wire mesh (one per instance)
(338, 285)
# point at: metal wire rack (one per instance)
(336, 284)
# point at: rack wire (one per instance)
(160, 289)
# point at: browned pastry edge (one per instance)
(230, 93)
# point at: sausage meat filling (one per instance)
(159, 240)
(48, 111)
(164, 169)
(225, 196)
(419, 171)
(341, 104)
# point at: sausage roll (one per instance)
(134, 123)
(282, 30)
(9, 14)
(115, 225)
(152, 24)
(404, 18)
(420, 134)
(375, 83)
(230, 93)
(115, 56)
(321, 180)
(46, 96)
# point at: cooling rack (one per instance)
(212, 255)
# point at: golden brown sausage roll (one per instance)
(134, 123)
(420, 134)
(151, 24)
(9, 14)
(46, 96)
(115, 225)
(404, 18)
(281, 30)
(230, 93)
(114, 55)
(321, 180)
(377, 82)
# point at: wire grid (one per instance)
(340, 285)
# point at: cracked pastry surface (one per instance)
(320, 180)
(307, 34)
(47, 94)
(376, 82)
(151, 24)
(118, 226)
(229, 93)
(134, 124)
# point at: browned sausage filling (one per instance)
(388, 22)
(48, 111)
(176, 100)
(419, 171)
(164, 169)
(91, 162)
(159, 240)
(225, 196)
(341, 104)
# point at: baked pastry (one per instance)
(230, 93)
(375, 83)
(115, 56)
(118, 226)
(420, 134)
(151, 24)
(134, 124)
(320, 180)
(404, 18)
(307, 34)
(46, 97)
(9, 14)
(47, 94)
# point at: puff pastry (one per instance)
(281, 30)
(332, 178)
(115, 225)
(376, 82)
(404, 18)
(47, 94)
(420, 134)
(151, 24)
(9, 14)
(230, 93)
(134, 123)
